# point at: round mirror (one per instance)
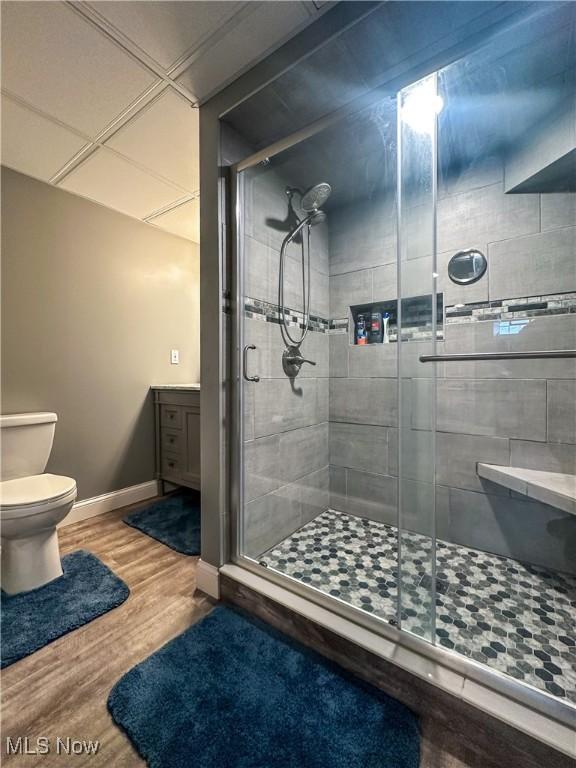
(466, 267)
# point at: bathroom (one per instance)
(381, 311)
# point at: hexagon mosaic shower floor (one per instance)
(517, 618)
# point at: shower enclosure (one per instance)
(420, 475)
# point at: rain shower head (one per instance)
(315, 197)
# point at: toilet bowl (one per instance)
(30, 510)
(31, 504)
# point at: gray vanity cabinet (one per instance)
(177, 416)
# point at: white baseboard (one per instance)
(108, 502)
(208, 579)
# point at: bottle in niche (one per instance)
(376, 329)
(385, 321)
(361, 330)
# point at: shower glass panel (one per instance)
(320, 443)
(503, 454)
(418, 313)
(284, 300)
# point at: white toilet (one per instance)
(31, 504)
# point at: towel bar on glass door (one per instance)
(499, 356)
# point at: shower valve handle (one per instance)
(292, 361)
(298, 360)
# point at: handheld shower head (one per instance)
(310, 202)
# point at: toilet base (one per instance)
(31, 562)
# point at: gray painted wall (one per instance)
(519, 413)
(286, 424)
(92, 303)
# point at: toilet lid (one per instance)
(34, 489)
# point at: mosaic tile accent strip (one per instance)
(270, 313)
(339, 326)
(517, 618)
(512, 314)
(513, 309)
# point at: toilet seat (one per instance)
(24, 496)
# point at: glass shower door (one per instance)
(283, 349)
(506, 394)
(420, 313)
(487, 226)
(320, 448)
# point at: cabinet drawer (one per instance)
(171, 416)
(171, 441)
(171, 464)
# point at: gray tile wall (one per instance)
(331, 437)
(545, 261)
(286, 448)
(518, 413)
(363, 380)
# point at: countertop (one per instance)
(186, 387)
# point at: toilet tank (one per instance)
(25, 443)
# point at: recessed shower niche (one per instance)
(377, 322)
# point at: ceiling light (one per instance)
(421, 106)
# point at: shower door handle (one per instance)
(245, 363)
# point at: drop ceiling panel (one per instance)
(65, 67)
(116, 183)
(166, 30)
(34, 145)
(164, 137)
(183, 220)
(267, 27)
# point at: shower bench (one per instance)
(554, 488)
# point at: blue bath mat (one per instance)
(175, 521)
(31, 620)
(231, 692)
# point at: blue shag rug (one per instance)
(231, 692)
(175, 521)
(31, 620)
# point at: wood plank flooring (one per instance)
(61, 690)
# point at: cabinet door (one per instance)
(191, 469)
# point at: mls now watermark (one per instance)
(43, 745)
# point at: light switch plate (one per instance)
(175, 356)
